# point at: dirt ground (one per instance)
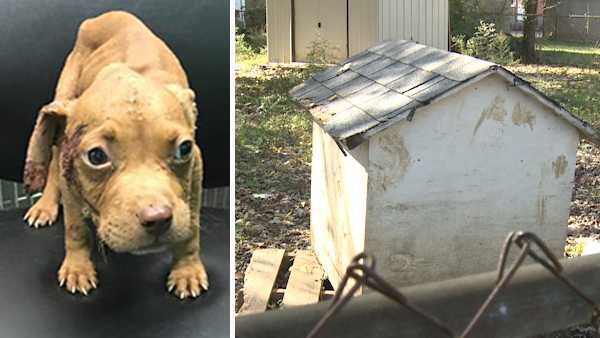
(584, 220)
(272, 197)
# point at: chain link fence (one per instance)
(253, 19)
(362, 272)
(13, 196)
(569, 28)
(517, 300)
(578, 28)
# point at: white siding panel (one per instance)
(363, 28)
(408, 19)
(398, 13)
(306, 17)
(385, 19)
(279, 30)
(435, 13)
(332, 15)
(424, 21)
(379, 21)
(431, 27)
(393, 18)
(414, 29)
(320, 19)
(442, 13)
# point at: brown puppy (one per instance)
(116, 146)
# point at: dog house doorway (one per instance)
(320, 20)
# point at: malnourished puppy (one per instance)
(116, 146)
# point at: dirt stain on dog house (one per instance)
(427, 159)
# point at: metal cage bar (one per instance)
(13, 195)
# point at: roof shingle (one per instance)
(389, 81)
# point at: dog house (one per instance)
(350, 26)
(427, 159)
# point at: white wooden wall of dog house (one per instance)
(423, 21)
(338, 203)
(447, 187)
(362, 25)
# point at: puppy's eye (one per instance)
(97, 156)
(184, 150)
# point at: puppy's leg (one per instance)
(188, 277)
(77, 272)
(45, 210)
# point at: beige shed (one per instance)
(350, 26)
(427, 159)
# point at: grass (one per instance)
(272, 132)
(576, 88)
(245, 62)
(568, 53)
(269, 126)
(272, 156)
(250, 50)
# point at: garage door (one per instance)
(320, 20)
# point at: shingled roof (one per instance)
(391, 81)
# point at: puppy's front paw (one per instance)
(77, 275)
(188, 279)
(42, 213)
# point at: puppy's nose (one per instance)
(156, 219)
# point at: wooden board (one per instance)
(306, 280)
(260, 278)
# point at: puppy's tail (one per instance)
(48, 128)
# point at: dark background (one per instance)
(37, 35)
(131, 300)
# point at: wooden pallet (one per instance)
(275, 278)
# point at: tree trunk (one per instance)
(528, 55)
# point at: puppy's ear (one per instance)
(48, 128)
(187, 98)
